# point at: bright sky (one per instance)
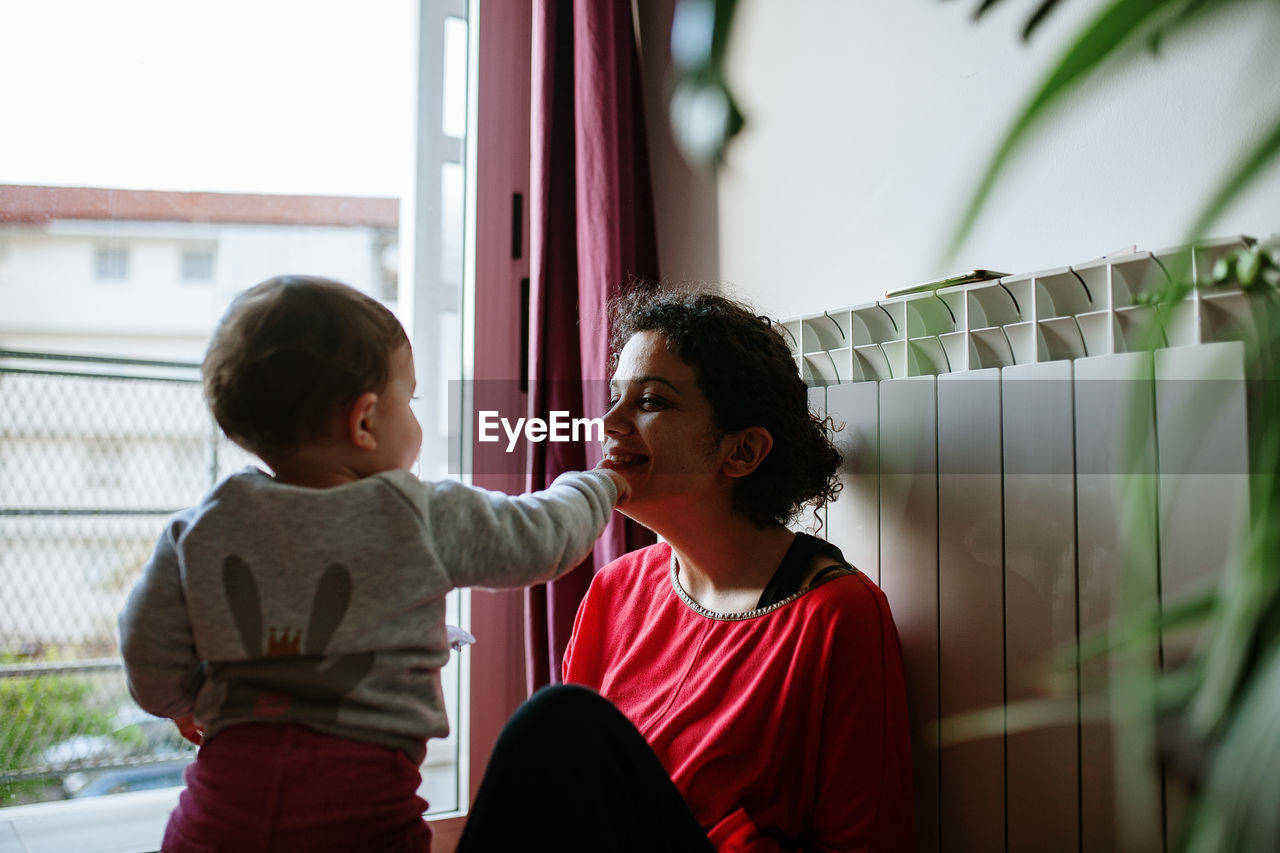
(277, 96)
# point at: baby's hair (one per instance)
(291, 355)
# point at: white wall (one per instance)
(870, 124)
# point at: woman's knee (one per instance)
(569, 709)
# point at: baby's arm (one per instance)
(156, 641)
(492, 539)
(619, 482)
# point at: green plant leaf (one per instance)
(1038, 17)
(1116, 25)
(1234, 644)
(1141, 627)
(1247, 268)
(1189, 10)
(720, 37)
(984, 8)
(1024, 716)
(704, 114)
(1238, 809)
(1251, 166)
(1222, 267)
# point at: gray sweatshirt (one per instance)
(326, 607)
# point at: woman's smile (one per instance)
(620, 461)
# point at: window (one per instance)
(197, 265)
(121, 391)
(112, 263)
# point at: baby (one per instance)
(294, 622)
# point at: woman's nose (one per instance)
(615, 420)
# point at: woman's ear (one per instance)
(750, 447)
(360, 422)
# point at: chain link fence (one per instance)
(95, 453)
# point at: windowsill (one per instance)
(124, 823)
(120, 823)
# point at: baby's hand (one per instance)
(459, 637)
(624, 488)
(189, 730)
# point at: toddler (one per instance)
(294, 622)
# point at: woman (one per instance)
(761, 669)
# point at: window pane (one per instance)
(264, 161)
(197, 265)
(112, 262)
(454, 96)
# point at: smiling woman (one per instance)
(753, 678)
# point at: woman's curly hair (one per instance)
(748, 373)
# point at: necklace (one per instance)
(724, 617)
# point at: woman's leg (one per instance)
(571, 773)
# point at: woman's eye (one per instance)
(651, 403)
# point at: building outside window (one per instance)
(112, 263)
(197, 265)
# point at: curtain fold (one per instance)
(591, 233)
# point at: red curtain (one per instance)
(592, 233)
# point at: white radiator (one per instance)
(993, 434)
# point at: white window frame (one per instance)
(420, 253)
(497, 161)
(498, 166)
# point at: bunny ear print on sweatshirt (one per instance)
(245, 603)
(313, 684)
(333, 596)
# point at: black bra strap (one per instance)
(795, 565)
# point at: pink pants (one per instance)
(260, 787)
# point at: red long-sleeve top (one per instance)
(785, 729)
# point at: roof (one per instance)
(36, 204)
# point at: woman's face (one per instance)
(659, 431)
